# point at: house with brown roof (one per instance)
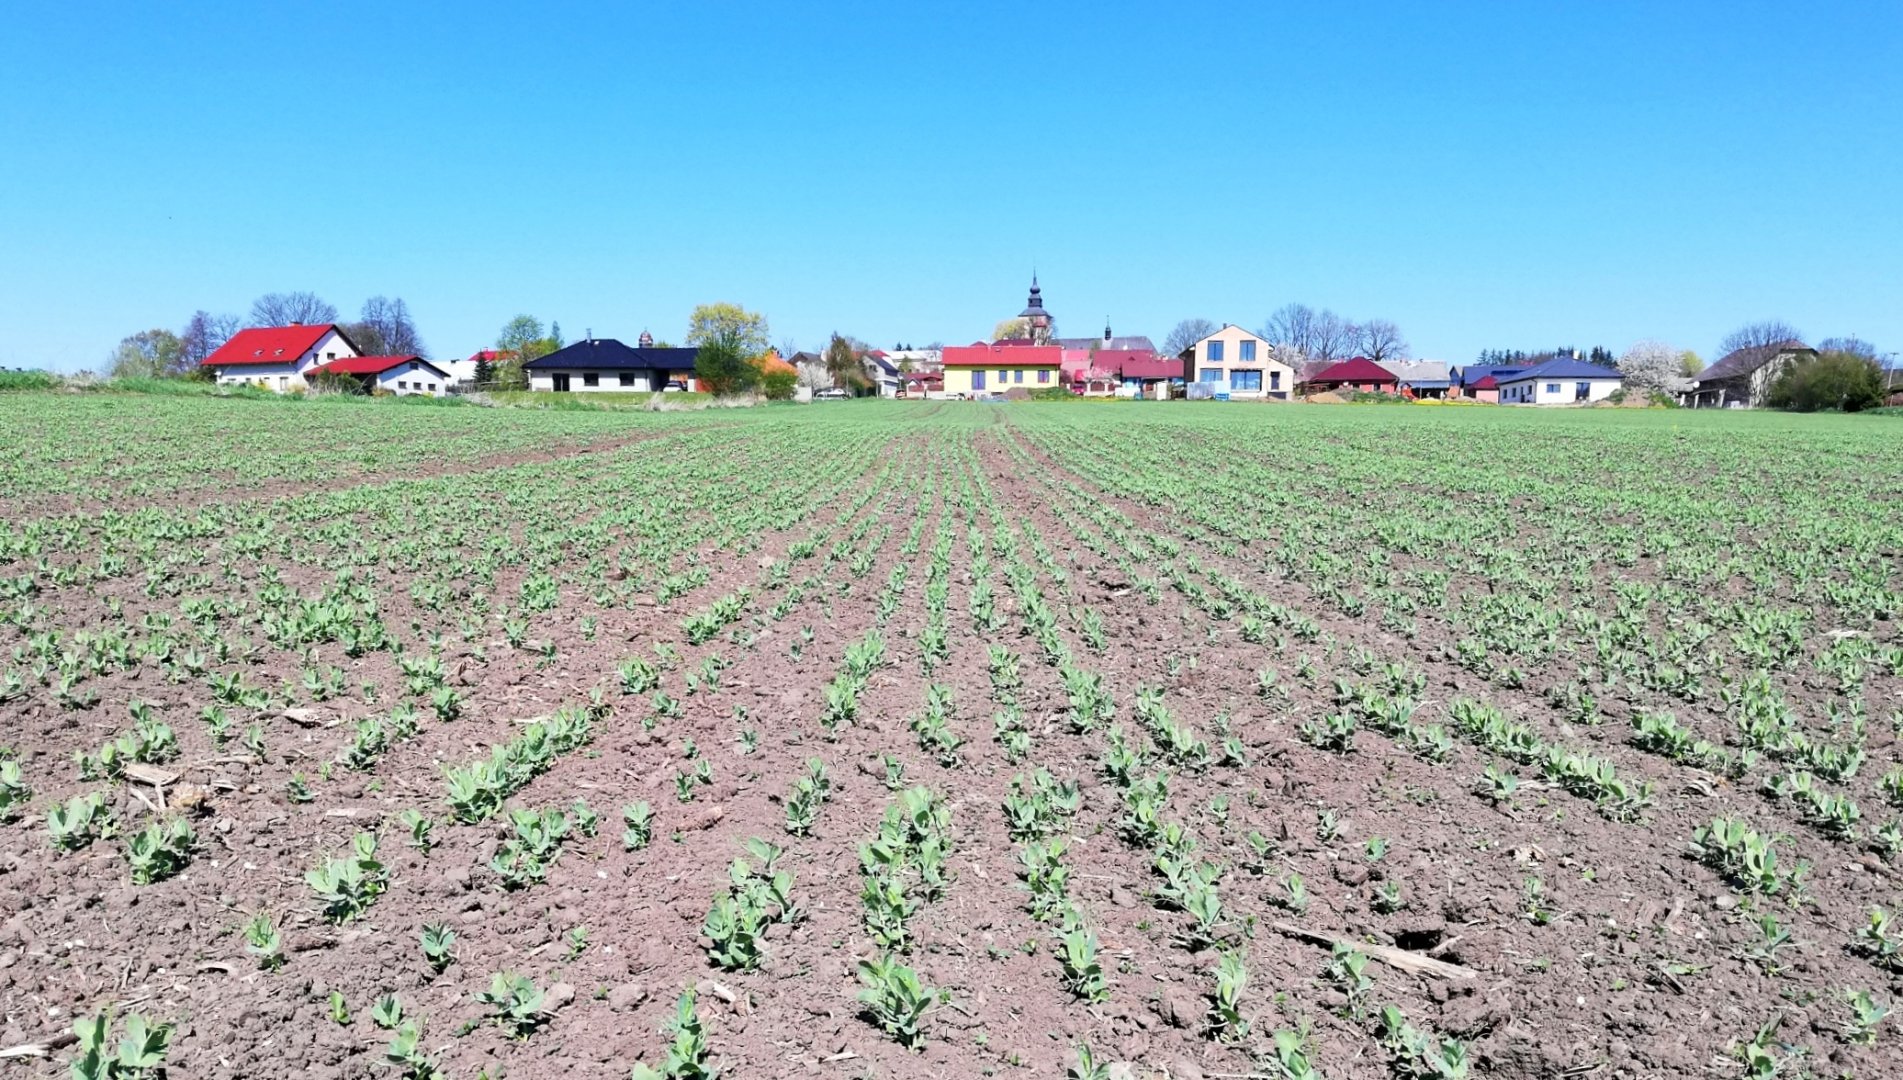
(277, 357)
(1744, 376)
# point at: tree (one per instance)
(1320, 336)
(1689, 364)
(283, 309)
(1853, 345)
(843, 365)
(1757, 335)
(745, 330)
(1833, 381)
(523, 336)
(1187, 333)
(204, 334)
(1011, 329)
(386, 329)
(485, 369)
(1652, 368)
(147, 354)
(724, 365)
(1379, 339)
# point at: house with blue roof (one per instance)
(1562, 381)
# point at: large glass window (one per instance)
(1245, 380)
(591, 380)
(1245, 352)
(627, 378)
(1044, 375)
(1209, 374)
(1215, 352)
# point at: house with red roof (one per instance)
(402, 376)
(1359, 375)
(278, 357)
(1002, 367)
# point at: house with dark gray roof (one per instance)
(598, 364)
(1563, 381)
(1744, 376)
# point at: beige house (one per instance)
(1239, 364)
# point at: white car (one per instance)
(831, 393)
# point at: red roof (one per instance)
(270, 345)
(491, 355)
(1359, 370)
(370, 365)
(1487, 383)
(1003, 354)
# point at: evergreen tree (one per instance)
(485, 369)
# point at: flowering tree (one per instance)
(1653, 367)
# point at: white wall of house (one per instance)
(279, 377)
(605, 381)
(1221, 355)
(1556, 391)
(412, 378)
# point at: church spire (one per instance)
(1037, 321)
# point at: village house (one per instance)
(1235, 362)
(277, 357)
(1001, 367)
(1563, 381)
(1481, 382)
(605, 364)
(1359, 375)
(1421, 380)
(402, 376)
(1744, 376)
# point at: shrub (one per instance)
(778, 385)
(1833, 382)
(28, 380)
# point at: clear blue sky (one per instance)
(1513, 174)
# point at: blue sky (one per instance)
(1515, 175)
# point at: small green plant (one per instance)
(639, 819)
(79, 822)
(139, 1053)
(1077, 952)
(687, 1055)
(160, 850)
(349, 885)
(895, 1000)
(1866, 1012)
(1226, 1020)
(263, 941)
(515, 1004)
(439, 946)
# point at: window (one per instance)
(1003, 377)
(1043, 375)
(415, 366)
(1582, 391)
(1209, 374)
(591, 380)
(1018, 375)
(1215, 352)
(627, 378)
(978, 380)
(330, 356)
(1275, 380)
(1245, 352)
(1552, 388)
(1245, 380)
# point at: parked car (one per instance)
(676, 385)
(831, 393)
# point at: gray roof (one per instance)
(1417, 370)
(1744, 361)
(607, 354)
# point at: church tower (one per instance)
(1037, 321)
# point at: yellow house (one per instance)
(981, 370)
